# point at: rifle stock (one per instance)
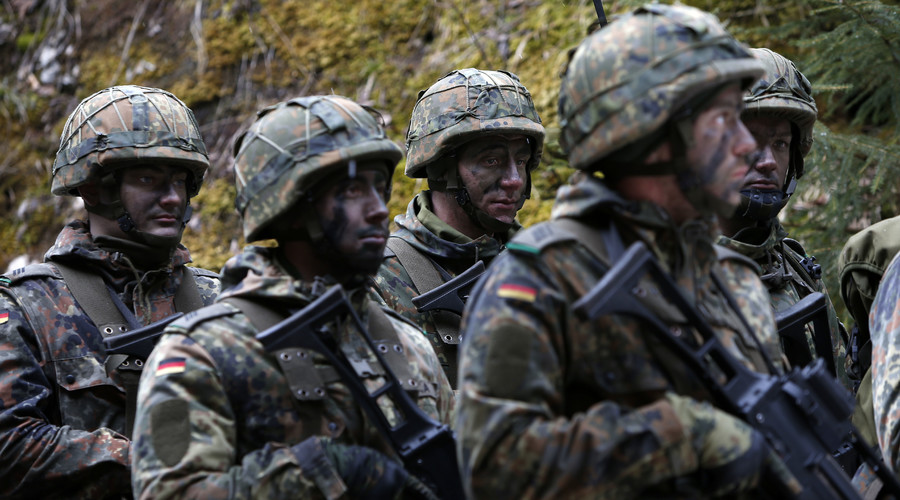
(425, 446)
(140, 342)
(804, 415)
(450, 296)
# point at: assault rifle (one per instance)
(426, 446)
(138, 343)
(792, 330)
(804, 414)
(450, 296)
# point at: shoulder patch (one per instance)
(725, 253)
(206, 273)
(42, 270)
(194, 318)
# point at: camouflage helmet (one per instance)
(783, 91)
(126, 125)
(297, 143)
(463, 105)
(626, 81)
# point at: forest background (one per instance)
(227, 59)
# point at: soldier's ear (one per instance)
(90, 193)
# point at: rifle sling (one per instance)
(307, 380)
(606, 245)
(112, 317)
(425, 277)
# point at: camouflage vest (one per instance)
(306, 379)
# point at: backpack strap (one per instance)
(425, 277)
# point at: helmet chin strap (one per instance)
(761, 205)
(480, 217)
(116, 211)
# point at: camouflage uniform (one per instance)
(884, 325)
(225, 426)
(62, 417)
(445, 247)
(788, 281)
(595, 400)
(56, 396)
(862, 263)
(787, 271)
(552, 405)
(462, 106)
(219, 416)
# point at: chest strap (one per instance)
(112, 317)
(308, 380)
(425, 278)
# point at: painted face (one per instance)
(353, 215)
(773, 139)
(155, 197)
(719, 153)
(494, 172)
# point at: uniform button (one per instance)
(332, 427)
(70, 379)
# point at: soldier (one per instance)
(884, 327)
(219, 417)
(135, 157)
(780, 113)
(862, 263)
(476, 137)
(556, 406)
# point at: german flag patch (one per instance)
(4, 317)
(170, 366)
(518, 292)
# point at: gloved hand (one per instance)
(733, 457)
(367, 473)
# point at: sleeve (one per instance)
(187, 444)
(38, 457)
(884, 325)
(515, 438)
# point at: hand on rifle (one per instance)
(732, 456)
(367, 473)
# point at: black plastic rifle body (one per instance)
(426, 446)
(139, 343)
(450, 296)
(792, 329)
(804, 414)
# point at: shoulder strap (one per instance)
(604, 243)
(420, 268)
(425, 277)
(187, 297)
(197, 316)
(261, 317)
(42, 270)
(92, 294)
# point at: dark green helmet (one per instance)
(629, 79)
(297, 143)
